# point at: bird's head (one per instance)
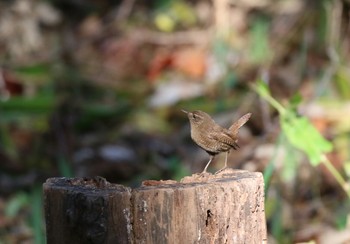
(197, 117)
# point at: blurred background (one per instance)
(96, 88)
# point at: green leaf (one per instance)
(304, 136)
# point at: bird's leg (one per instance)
(205, 169)
(225, 163)
(226, 159)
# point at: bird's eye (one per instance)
(194, 116)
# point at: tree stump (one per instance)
(223, 208)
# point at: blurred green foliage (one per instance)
(296, 133)
(171, 14)
(259, 50)
(299, 131)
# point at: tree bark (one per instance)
(223, 208)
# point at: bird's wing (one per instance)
(224, 137)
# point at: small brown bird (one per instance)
(213, 138)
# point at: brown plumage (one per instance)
(213, 138)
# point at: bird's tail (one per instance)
(239, 123)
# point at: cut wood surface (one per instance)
(202, 208)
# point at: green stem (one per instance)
(281, 110)
(266, 95)
(336, 175)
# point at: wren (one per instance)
(213, 138)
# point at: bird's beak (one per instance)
(186, 112)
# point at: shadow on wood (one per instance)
(223, 208)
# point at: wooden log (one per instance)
(223, 208)
(82, 210)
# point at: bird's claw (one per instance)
(220, 170)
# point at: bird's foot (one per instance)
(204, 172)
(220, 170)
